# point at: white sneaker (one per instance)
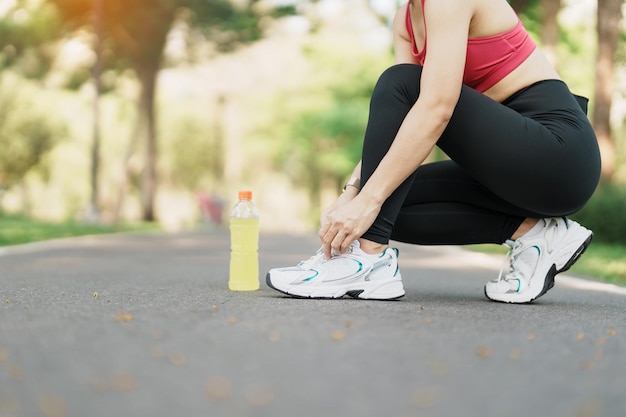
(353, 273)
(536, 259)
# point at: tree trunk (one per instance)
(148, 79)
(550, 32)
(127, 169)
(608, 29)
(98, 15)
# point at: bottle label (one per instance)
(244, 260)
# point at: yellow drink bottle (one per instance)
(244, 245)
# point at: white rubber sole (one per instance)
(365, 290)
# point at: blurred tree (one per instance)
(609, 16)
(520, 5)
(136, 32)
(26, 137)
(25, 33)
(325, 136)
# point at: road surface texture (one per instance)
(144, 325)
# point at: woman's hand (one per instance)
(343, 198)
(345, 221)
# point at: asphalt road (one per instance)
(144, 325)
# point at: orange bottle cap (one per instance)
(245, 195)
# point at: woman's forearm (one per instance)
(414, 141)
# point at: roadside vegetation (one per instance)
(16, 229)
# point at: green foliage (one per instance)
(604, 214)
(27, 33)
(19, 229)
(135, 31)
(325, 139)
(603, 261)
(26, 137)
(193, 157)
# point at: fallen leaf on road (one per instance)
(123, 382)
(531, 336)
(580, 336)
(338, 335)
(4, 355)
(95, 294)
(612, 332)
(52, 406)
(218, 388)
(233, 320)
(122, 317)
(483, 351)
(8, 301)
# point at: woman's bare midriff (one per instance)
(535, 68)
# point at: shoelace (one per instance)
(318, 258)
(510, 257)
(516, 247)
(313, 260)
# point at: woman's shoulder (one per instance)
(402, 42)
(399, 22)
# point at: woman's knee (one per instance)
(401, 78)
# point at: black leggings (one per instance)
(534, 155)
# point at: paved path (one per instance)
(143, 325)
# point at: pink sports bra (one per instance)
(490, 58)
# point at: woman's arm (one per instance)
(442, 76)
(402, 46)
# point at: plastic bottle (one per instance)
(244, 245)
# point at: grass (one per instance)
(601, 261)
(16, 229)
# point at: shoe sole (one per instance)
(394, 291)
(549, 280)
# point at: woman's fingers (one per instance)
(342, 226)
(337, 240)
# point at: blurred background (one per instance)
(126, 111)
